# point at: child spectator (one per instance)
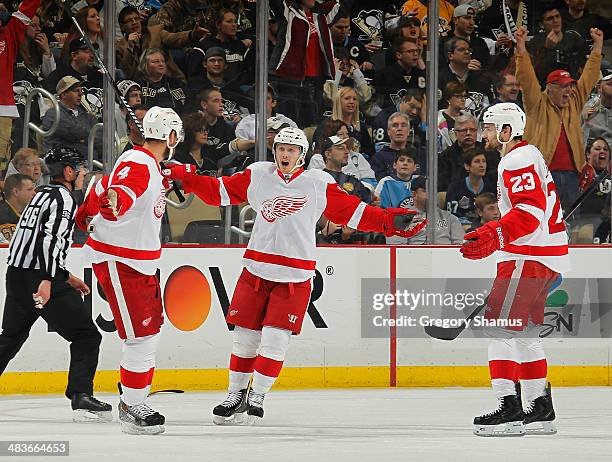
(394, 190)
(487, 209)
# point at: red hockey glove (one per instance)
(81, 217)
(110, 205)
(485, 240)
(397, 223)
(179, 172)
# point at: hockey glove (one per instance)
(179, 172)
(397, 223)
(110, 205)
(485, 240)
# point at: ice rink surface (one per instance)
(322, 425)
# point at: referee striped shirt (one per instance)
(44, 232)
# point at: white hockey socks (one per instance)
(269, 362)
(242, 361)
(533, 368)
(503, 366)
(137, 367)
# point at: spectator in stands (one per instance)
(137, 38)
(398, 128)
(418, 8)
(598, 162)
(245, 129)
(336, 154)
(55, 23)
(81, 66)
(357, 164)
(507, 89)
(408, 27)
(598, 113)
(348, 74)
(455, 94)
(341, 36)
(556, 49)
(18, 191)
(410, 102)
(222, 146)
(464, 26)
(246, 17)
(487, 209)
(12, 33)
(132, 93)
(346, 108)
(394, 190)
(191, 150)
(404, 74)
(578, 19)
(303, 57)
(553, 115)
(158, 89)
(450, 161)
(214, 75)
(134, 136)
(27, 162)
(448, 227)
(34, 64)
(180, 15)
(89, 20)
(238, 57)
(462, 193)
(499, 22)
(75, 123)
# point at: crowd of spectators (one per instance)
(351, 73)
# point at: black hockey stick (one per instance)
(587, 192)
(451, 333)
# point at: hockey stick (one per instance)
(585, 195)
(451, 333)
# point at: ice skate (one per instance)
(86, 408)
(140, 419)
(540, 415)
(255, 411)
(231, 411)
(507, 420)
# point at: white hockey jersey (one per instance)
(134, 239)
(530, 209)
(282, 244)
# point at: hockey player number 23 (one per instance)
(524, 182)
(555, 222)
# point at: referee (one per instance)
(38, 285)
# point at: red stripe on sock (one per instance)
(150, 376)
(534, 370)
(134, 379)
(238, 364)
(504, 369)
(268, 367)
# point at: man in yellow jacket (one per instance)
(553, 115)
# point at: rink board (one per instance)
(330, 352)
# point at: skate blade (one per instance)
(540, 428)
(87, 416)
(252, 420)
(502, 430)
(131, 429)
(236, 419)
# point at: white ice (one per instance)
(323, 425)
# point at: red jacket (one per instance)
(289, 56)
(11, 37)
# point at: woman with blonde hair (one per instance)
(346, 108)
(27, 162)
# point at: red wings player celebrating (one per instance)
(531, 244)
(124, 245)
(273, 291)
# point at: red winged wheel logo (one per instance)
(281, 206)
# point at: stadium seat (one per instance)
(179, 219)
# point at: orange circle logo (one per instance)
(187, 298)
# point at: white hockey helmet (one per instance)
(159, 122)
(501, 114)
(295, 136)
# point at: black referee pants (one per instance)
(65, 313)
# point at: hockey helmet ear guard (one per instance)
(295, 136)
(506, 114)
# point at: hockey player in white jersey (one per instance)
(124, 246)
(530, 242)
(272, 294)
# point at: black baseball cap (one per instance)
(418, 182)
(215, 52)
(77, 44)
